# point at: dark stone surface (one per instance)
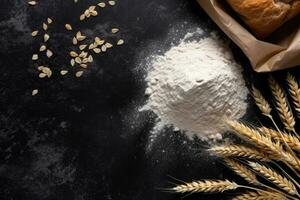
(84, 139)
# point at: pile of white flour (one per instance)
(196, 85)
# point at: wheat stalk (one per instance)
(259, 196)
(261, 102)
(291, 140)
(294, 92)
(275, 178)
(239, 151)
(282, 107)
(242, 171)
(206, 186)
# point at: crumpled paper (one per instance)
(280, 51)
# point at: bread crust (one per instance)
(265, 16)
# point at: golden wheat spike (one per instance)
(294, 92)
(257, 139)
(292, 140)
(275, 150)
(282, 107)
(239, 151)
(274, 177)
(260, 196)
(261, 102)
(242, 171)
(206, 186)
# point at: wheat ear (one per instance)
(261, 102)
(260, 196)
(206, 186)
(275, 178)
(282, 107)
(242, 171)
(265, 143)
(239, 151)
(257, 138)
(291, 140)
(294, 92)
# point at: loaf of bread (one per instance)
(265, 16)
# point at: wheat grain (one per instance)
(294, 92)
(32, 3)
(79, 74)
(206, 186)
(90, 58)
(35, 57)
(282, 107)
(49, 20)
(83, 54)
(120, 42)
(73, 54)
(112, 3)
(97, 50)
(291, 140)
(72, 62)
(261, 102)
(260, 196)
(101, 5)
(114, 30)
(94, 13)
(45, 26)
(239, 151)
(82, 17)
(42, 75)
(98, 41)
(47, 71)
(34, 92)
(63, 72)
(242, 171)
(103, 48)
(46, 37)
(78, 60)
(43, 48)
(82, 47)
(108, 45)
(74, 41)
(275, 178)
(34, 33)
(49, 53)
(68, 27)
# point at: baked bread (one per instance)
(265, 16)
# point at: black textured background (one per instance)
(84, 139)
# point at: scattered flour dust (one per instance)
(196, 85)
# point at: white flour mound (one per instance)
(196, 85)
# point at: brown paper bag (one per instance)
(281, 51)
